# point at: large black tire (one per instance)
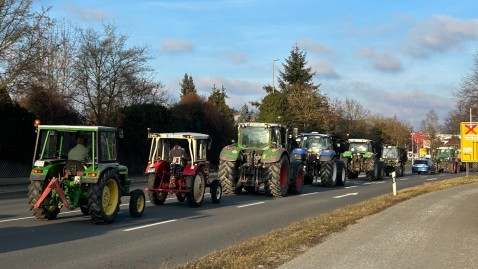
(328, 174)
(85, 210)
(277, 180)
(372, 172)
(156, 198)
(181, 196)
(137, 203)
(297, 181)
(341, 173)
(196, 186)
(228, 176)
(216, 191)
(35, 190)
(104, 198)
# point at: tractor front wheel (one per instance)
(216, 191)
(104, 198)
(46, 210)
(137, 203)
(196, 186)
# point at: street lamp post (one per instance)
(273, 74)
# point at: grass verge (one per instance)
(280, 246)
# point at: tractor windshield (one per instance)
(54, 144)
(316, 144)
(390, 153)
(254, 137)
(359, 147)
(443, 153)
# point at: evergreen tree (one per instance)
(187, 86)
(245, 115)
(218, 99)
(295, 71)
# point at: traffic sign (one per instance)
(469, 141)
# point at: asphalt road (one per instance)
(166, 235)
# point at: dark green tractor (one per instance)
(363, 155)
(94, 185)
(259, 160)
(394, 159)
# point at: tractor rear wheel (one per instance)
(104, 198)
(196, 186)
(277, 182)
(85, 210)
(50, 212)
(328, 174)
(228, 177)
(372, 172)
(216, 191)
(156, 198)
(137, 203)
(297, 182)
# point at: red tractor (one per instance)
(184, 172)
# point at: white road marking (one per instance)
(149, 225)
(305, 194)
(258, 203)
(348, 194)
(7, 220)
(433, 178)
(350, 187)
(368, 183)
(403, 179)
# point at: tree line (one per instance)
(63, 74)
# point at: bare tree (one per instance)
(109, 76)
(467, 95)
(430, 126)
(19, 38)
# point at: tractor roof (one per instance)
(75, 128)
(360, 140)
(259, 124)
(314, 134)
(179, 135)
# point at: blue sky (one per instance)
(394, 57)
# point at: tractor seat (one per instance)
(73, 168)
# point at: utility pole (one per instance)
(273, 74)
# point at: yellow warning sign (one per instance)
(469, 141)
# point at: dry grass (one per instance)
(277, 247)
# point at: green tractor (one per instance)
(363, 155)
(95, 185)
(259, 159)
(394, 159)
(446, 160)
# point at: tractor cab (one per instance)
(91, 179)
(177, 163)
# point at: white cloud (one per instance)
(238, 58)
(88, 14)
(383, 61)
(324, 70)
(315, 48)
(176, 45)
(439, 34)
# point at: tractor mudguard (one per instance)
(299, 154)
(230, 153)
(40, 173)
(158, 167)
(347, 154)
(273, 155)
(326, 155)
(190, 170)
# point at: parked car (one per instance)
(423, 166)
